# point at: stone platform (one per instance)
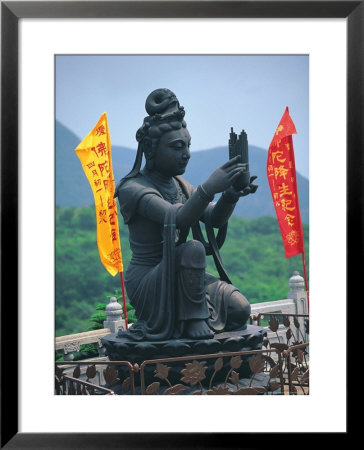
(120, 348)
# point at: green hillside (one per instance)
(253, 255)
(73, 189)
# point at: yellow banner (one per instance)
(95, 156)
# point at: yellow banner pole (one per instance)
(94, 153)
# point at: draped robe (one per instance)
(153, 281)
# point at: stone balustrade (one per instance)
(295, 303)
(71, 343)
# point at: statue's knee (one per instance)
(191, 265)
(192, 255)
(239, 308)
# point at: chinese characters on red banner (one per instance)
(281, 172)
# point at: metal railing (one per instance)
(279, 369)
(280, 366)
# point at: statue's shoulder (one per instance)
(130, 191)
(137, 184)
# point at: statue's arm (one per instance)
(221, 211)
(154, 207)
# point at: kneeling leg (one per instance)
(238, 311)
(192, 305)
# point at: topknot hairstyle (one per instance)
(165, 114)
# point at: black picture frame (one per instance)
(11, 12)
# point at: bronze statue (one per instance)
(166, 281)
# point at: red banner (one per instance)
(281, 172)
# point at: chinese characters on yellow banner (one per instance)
(94, 153)
(281, 172)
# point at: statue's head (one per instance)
(163, 129)
(163, 138)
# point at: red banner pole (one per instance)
(124, 300)
(305, 277)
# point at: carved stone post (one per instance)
(68, 350)
(113, 316)
(298, 294)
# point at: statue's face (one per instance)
(173, 152)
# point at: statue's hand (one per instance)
(250, 189)
(223, 177)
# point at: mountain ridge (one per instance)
(73, 189)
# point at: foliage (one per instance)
(81, 280)
(97, 322)
(86, 351)
(253, 255)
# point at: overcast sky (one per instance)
(217, 91)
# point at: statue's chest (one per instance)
(173, 194)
